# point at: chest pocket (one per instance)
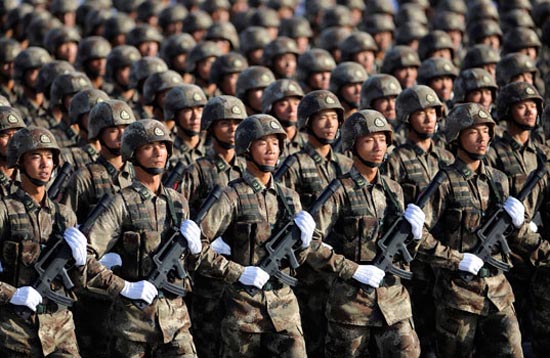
(248, 230)
(102, 183)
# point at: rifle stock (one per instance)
(175, 176)
(59, 182)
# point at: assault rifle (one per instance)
(168, 257)
(52, 264)
(499, 225)
(397, 237)
(59, 182)
(281, 171)
(175, 176)
(281, 246)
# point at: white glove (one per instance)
(516, 210)
(192, 233)
(415, 216)
(254, 276)
(77, 241)
(26, 296)
(327, 246)
(470, 263)
(369, 275)
(220, 247)
(532, 226)
(110, 260)
(306, 224)
(141, 290)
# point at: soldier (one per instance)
(482, 56)
(253, 39)
(320, 115)
(140, 70)
(117, 27)
(361, 48)
(515, 67)
(62, 43)
(298, 29)
(314, 69)
(475, 85)
(10, 123)
(413, 165)
(170, 20)
(146, 39)
(92, 59)
(9, 49)
(184, 105)
(402, 62)
(196, 24)
(268, 19)
(281, 99)
(224, 35)
(174, 51)
(117, 72)
(251, 210)
(225, 71)
(221, 116)
(381, 27)
(280, 56)
(48, 73)
(485, 32)
(155, 88)
(437, 43)
(345, 82)
(439, 74)
(474, 314)
(31, 223)
(135, 224)
(251, 85)
(199, 64)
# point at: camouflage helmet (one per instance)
(30, 58)
(126, 6)
(362, 123)
(143, 132)
(315, 102)
(481, 10)
(511, 65)
(183, 96)
(222, 107)
(313, 61)
(58, 7)
(377, 23)
(314, 8)
(148, 9)
(356, 42)
(254, 77)
(10, 118)
(95, 21)
(414, 99)
(279, 4)
(510, 5)
(223, 31)
(158, 82)
(37, 25)
(411, 12)
(472, 79)
(232, 62)
(483, 28)
(338, 16)
(117, 24)
(83, 102)
(9, 49)
(67, 84)
(434, 41)
(264, 17)
(331, 37)
(346, 73)
(436, 67)
(541, 13)
(295, 27)
(408, 32)
(399, 56)
(520, 38)
(176, 45)
(196, 21)
(212, 5)
(171, 14)
(145, 67)
(143, 33)
(453, 6)
(109, 113)
(4, 102)
(465, 115)
(378, 86)
(201, 51)
(30, 139)
(91, 48)
(480, 55)
(256, 127)
(253, 38)
(448, 21)
(60, 35)
(513, 93)
(49, 72)
(280, 46)
(383, 7)
(516, 19)
(279, 90)
(119, 57)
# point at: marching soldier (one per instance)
(10, 123)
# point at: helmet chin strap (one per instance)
(36, 182)
(366, 162)
(262, 168)
(151, 171)
(113, 151)
(472, 156)
(188, 132)
(522, 126)
(286, 123)
(224, 145)
(324, 141)
(421, 136)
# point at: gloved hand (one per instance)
(369, 275)
(306, 224)
(110, 260)
(77, 242)
(220, 247)
(192, 233)
(416, 217)
(254, 276)
(26, 296)
(470, 263)
(141, 290)
(532, 226)
(516, 210)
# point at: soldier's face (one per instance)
(424, 121)
(224, 130)
(456, 38)
(112, 136)
(372, 147)
(443, 87)
(386, 106)
(287, 109)
(255, 98)
(383, 40)
(475, 139)
(123, 76)
(148, 48)
(351, 93)
(97, 67)
(443, 53)
(266, 150)
(493, 41)
(530, 51)
(229, 84)
(4, 139)
(204, 66)
(525, 112)
(406, 76)
(523, 77)
(38, 164)
(285, 65)
(365, 59)
(302, 43)
(319, 80)
(325, 124)
(67, 51)
(190, 118)
(483, 96)
(31, 76)
(152, 155)
(255, 57)
(223, 45)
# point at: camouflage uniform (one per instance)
(134, 225)
(10, 119)
(468, 311)
(26, 229)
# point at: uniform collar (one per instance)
(317, 158)
(468, 173)
(256, 185)
(517, 146)
(360, 181)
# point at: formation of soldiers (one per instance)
(341, 124)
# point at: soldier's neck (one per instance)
(115, 160)
(471, 163)
(322, 149)
(151, 182)
(37, 193)
(367, 172)
(97, 82)
(158, 114)
(7, 171)
(33, 96)
(190, 142)
(291, 132)
(520, 135)
(263, 177)
(424, 144)
(226, 154)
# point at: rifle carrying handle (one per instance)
(175, 175)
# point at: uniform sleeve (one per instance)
(76, 196)
(291, 178)
(392, 167)
(6, 290)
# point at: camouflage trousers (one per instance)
(423, 312)
(540, 312)
(398, 340)
(240, 344)
(181, 347)
(312, 301)
(460, 333)
(48, 334)
(92, 329)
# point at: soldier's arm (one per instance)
(6, 290)
(75, 195)
(392, 166)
